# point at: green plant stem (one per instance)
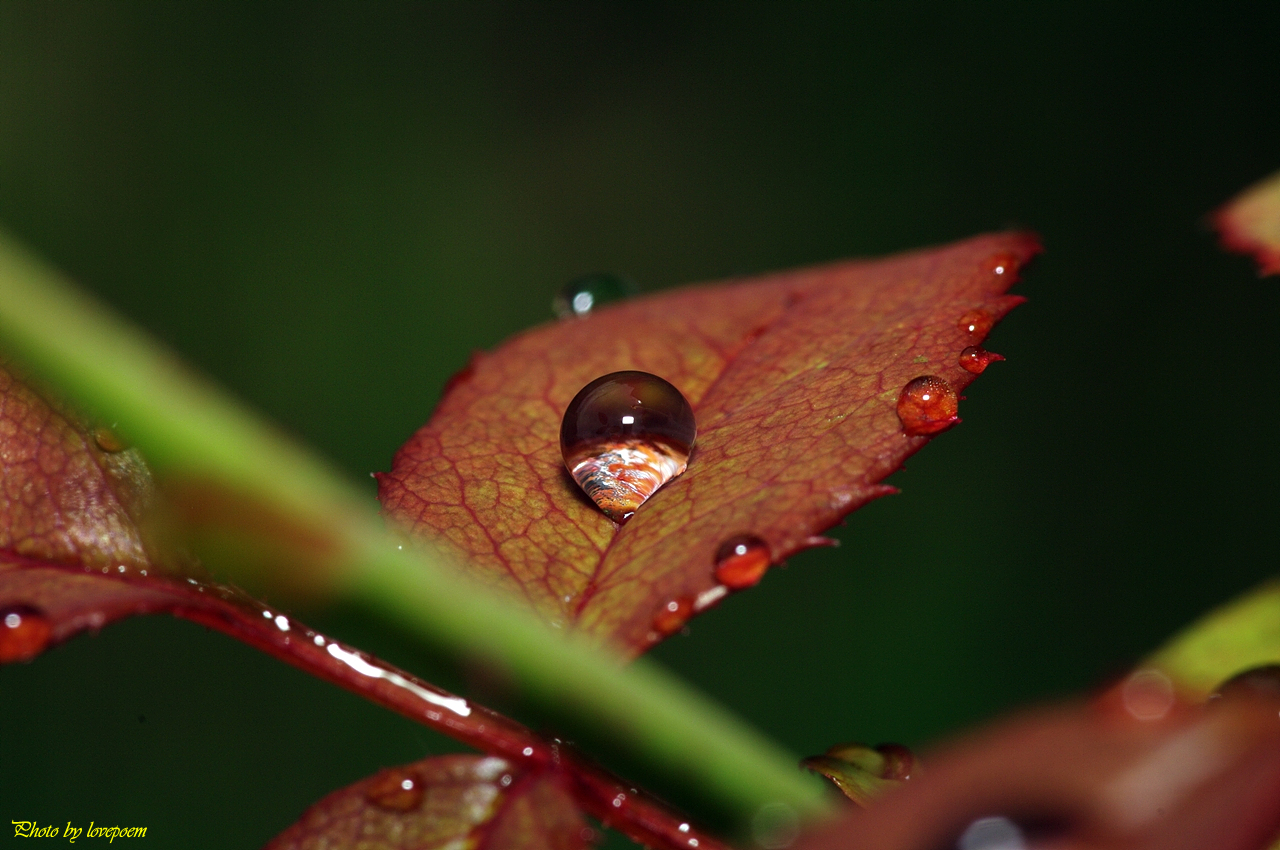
(191, 432)
(1241, 634)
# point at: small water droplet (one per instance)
(976, 359)
(672, 616)
(1004, 263)
(624, 435)
(927, 405)
(741, 561)
(1263, 681)
(619, 800)
(581, 295)
(108, 440)
(977, 323)
(24, 633)
(398, 789)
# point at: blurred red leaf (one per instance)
(1250, 224)
(1089, 778)
(794, 379)
(477, 802)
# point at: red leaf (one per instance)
(1250, 224)
(794, 379)
(1090, 778)
(449, 801)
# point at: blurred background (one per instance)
(327, 207)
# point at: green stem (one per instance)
(192, 433)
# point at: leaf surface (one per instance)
(1250, 224)
(794, 379)
(472, 802)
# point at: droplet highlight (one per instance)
(397, 789)
(672, 615)
(624, 435)
(927, 405)
(741, 561)
(977, 323)
(24, 633)
(1002, 264)
(976, 359)
(580, 296)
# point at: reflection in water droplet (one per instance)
(672, 616)
(398, 789)
(580, 296)
(108, 440)
(775, 826)
(993, 833)
(741, 561)
(24, 633)
(624, 435)
(1263, 681)
(927, 405)
(977, 323)
(1147, 694)
(976, 359)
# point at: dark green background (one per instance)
(329, 207)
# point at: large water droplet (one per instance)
(976, 359)
(398, 789)
(1255, 682)
(741, 561)
(672, 616)
(580, 296)
(24, 633)
(992, 833)
(927, 405)
(624, 435)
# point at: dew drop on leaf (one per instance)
(397, 789)
(741, 561)
(1263, 681)
(977, 323)
(1003, 263)
(976, 359)
(24, 633)
(624, 435)
(108, 440)
(581, 295)
(672, 616)
(927, 405)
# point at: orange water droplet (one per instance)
(927, 405)
(1004, 263)
(624, 435)
(977, 323)
(741, 561)
(672, 616)
(976, 359)
(397, 788)
(108, 440)
(24, 633)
